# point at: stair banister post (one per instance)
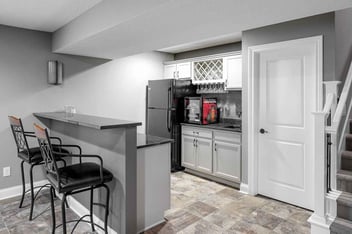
(318, 220)
(332, 87)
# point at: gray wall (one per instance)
(343, 29)
(107, 88)
(307, 27)
(209, 51)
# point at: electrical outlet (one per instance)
(6, 171)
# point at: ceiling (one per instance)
(42, 15)
(176, 25)
(118, 28)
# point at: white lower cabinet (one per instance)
(227, 160)
(214, 152)
(197, 149)
(188, 152)
(203, 155)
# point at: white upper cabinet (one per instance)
(183, 70)
(177, 70)
(169, 71)
(233, 72)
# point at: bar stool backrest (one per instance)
(19, 135)
(46, 150)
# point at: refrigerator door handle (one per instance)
(168, 109)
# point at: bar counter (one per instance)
(136, 203)
(87, 120)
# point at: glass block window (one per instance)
(208, 70)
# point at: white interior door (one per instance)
(287, 98)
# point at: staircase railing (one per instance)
(340, 125)
(340, 122)
(331, 125)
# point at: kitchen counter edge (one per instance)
(90, 121)
(213, 126)
(144, 140)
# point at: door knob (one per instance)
(263, 131)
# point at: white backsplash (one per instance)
(229, 104)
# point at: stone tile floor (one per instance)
(201, 206)
(14, 220)
(197, 206)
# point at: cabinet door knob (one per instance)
(215, 146)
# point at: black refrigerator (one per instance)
(165, 112)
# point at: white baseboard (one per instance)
(81, 210)
(17, 190)
(244, 188)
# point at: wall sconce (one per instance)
(55, 72)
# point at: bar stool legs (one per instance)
(63, 212)
(33, 196)
(32, 191)
(91, 207)
(106, 208)
(91, 213)
(52, 194)
(23, 184)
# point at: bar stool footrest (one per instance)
(37, 192)
(78, 221)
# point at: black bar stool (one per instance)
(32, 156)
(73, 179)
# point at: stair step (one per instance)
(344, 175)
(348, 142)
(341, 226)
(344, 206)
(346, 160)
(344, 180)
(345, 199)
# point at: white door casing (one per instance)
(284, 88)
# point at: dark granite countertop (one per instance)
(218, 126)
(90, 121)
(148, 140)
